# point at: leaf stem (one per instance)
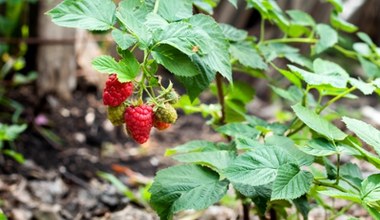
(155, 9)
(331, 185)
(336, 98)
(219, 87)
(291, 40)
(262, 30)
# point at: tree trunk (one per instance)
(55, 62)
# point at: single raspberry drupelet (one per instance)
(161, 125)
(139, 122)
(116, 92)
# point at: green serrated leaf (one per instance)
(185, 187)
(132, 14)
(319, 147)
(291, 182)
(364, 131)
(238, 130)
(233, 34)
(216, 160)
(332, 78)
(365, 88)
(126, 70)
(288, 145)
(175, 61)
(301, 18)
(123, 39)
(370, 69)
(192, 146)
(342, 195)
(174, 10)
(217, 58)
(86, 14)
(370, 190)
(318, 123)
(341, 24)
(328, 37)
(247, 55)
(257, 167)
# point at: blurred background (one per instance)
(60, 154)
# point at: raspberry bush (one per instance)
(294, 161)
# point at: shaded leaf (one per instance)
(328, 37)
(185, 187)
(257, 167)
(318, 123)
(291, 182)
(364, 131)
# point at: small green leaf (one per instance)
(192, 146)
(257, 167)
(233, 34)
(238, 130)
(185, 187)
(14, 155)
(341, 24)
(364, 37)
(370, 69)
(126, 69)
(175, 61)
(86, 14)
(301, 18)
(11, 132)
(247, 55)
(342, 195)
(328, 37)
(291, 182)
(132, 14)
(370, 190)
(332, 78)
(216, 160)
(123, 39)
(338, 5)
(174, 10)
(364, 131)
(362, 48)
(365, 88)
(318, 123)
(319, 147)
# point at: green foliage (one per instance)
(185, 187)
(271, 164)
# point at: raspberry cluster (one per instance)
(139, 118)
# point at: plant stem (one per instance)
(262, 30)
(337, 168)
(155, 9)
(336, 98)
(292, 40)
(246, 208)
(219, 86)
(331, 185)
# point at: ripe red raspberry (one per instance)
(160, 125)
(139, 122)
(116, 92)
